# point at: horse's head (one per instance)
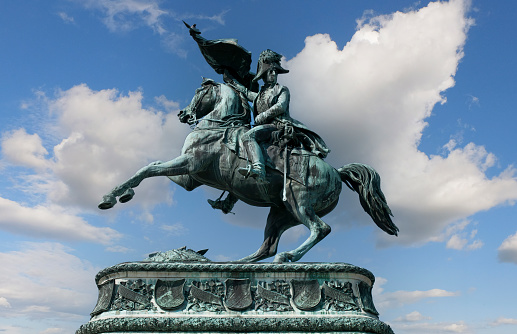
(202, 103)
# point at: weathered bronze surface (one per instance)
(207, 297)
(277, 163)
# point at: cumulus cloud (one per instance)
(105, 138)
(371, 101)
(459, 239)
(51, 222)
(507, 252)
(21, 148)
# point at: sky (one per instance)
(422, 91)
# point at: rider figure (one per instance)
(271, 113)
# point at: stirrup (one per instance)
(257, 174)
(245, 171)
(220, 205)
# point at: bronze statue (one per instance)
(283, 157)
(271, 115)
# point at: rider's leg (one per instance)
(251, 140)
(225, 205)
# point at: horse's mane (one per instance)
(229, 101)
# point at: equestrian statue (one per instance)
(273, 161)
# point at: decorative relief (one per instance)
(206, 296)
(339, 296)
(105, 297)
(273, 296)
(133, 296)
(365, 291)
(237, 294)
(169, 295)
(306, 294)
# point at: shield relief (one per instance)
(169, 294)
(306, 294)
(237, 295)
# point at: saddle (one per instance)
(274, 153)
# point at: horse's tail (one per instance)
(364, 180)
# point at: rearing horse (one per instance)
(219, 113)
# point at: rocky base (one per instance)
(210, 297)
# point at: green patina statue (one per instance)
(277, 162)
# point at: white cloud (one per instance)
(504, 321)
(414, 316)
(118, 249)
(389, 300)
(432, 328)
(476, 244)
(399, 298)
(218, 18)
(51, 222)
(507, 252)
(177, 229)
(456, 242)
(65, 17)
(105, 138)
(371, 101)
(4, 302)
(121, 15)
(460, 241)
(108, 137)
(23, 149)
(45, 280)
(222, 258)
(124, 16)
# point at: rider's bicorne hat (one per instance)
(269, 59)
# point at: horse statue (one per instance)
(302, 191)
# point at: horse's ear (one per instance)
(207, 81)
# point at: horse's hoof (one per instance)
(127, 195)
(283, 257)
(108, 201)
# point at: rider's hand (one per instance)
(261, 119)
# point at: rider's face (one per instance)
(271, 76)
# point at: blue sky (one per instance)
(421, 91)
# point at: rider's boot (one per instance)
(257, 168)
(225, 205)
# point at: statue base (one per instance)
(213, 297)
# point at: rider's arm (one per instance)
(277, 109)
(229, 79)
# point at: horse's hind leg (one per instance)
(278, 221)
(305, 214)
(178, 166)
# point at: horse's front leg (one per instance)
(178, 166)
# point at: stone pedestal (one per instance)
(210, 297)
